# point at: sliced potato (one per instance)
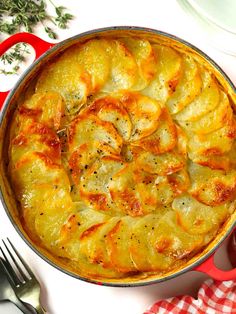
(75, 238)
(110, 109)
(118, 242)
(45, 108)
(182, 142)
(205, 102)
(218, 162)
(94, 183)
(168, 72)
(179, 181)
(123, 68)
(188, 87)
(136, 192)
(35, 137)
(169, 239)
(90, 138)
(78, 234)
(96, 271)
(85, 155)
(211, 187)
(69, 79)
(163, 139)
(145, 58)
(144, 113)
(36, 168)
(209, 149)
(45, 209)
(123, 191)
(52, 215)
(212, 121)
(232, 155)
(89, 130)
(155, 191)
(77, 226)
(93, 59)
(162, 164)
(217, 142)
(197, 218)
(44, 190)
(93, 243)
(139, 244)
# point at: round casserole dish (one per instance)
(9, 201)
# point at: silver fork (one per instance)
(6, 291)
(23, 281)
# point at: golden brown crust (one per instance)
(163, 139)
(124, 158)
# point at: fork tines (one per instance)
(17, 269)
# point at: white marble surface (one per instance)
(65, 295)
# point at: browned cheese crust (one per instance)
(124, 158)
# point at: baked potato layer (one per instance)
(123, 158)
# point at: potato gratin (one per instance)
(124, 157)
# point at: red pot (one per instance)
(204, 261)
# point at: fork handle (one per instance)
(40, 310)
(24, 309)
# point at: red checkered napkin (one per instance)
(214, 297)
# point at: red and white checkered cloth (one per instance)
(214, 297)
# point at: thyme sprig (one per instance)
(24, 15)
(15, 56)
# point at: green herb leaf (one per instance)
(50, 32)
(15, 56)
(23, 15)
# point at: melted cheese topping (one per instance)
(123, 159)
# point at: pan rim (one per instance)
(2, 116)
